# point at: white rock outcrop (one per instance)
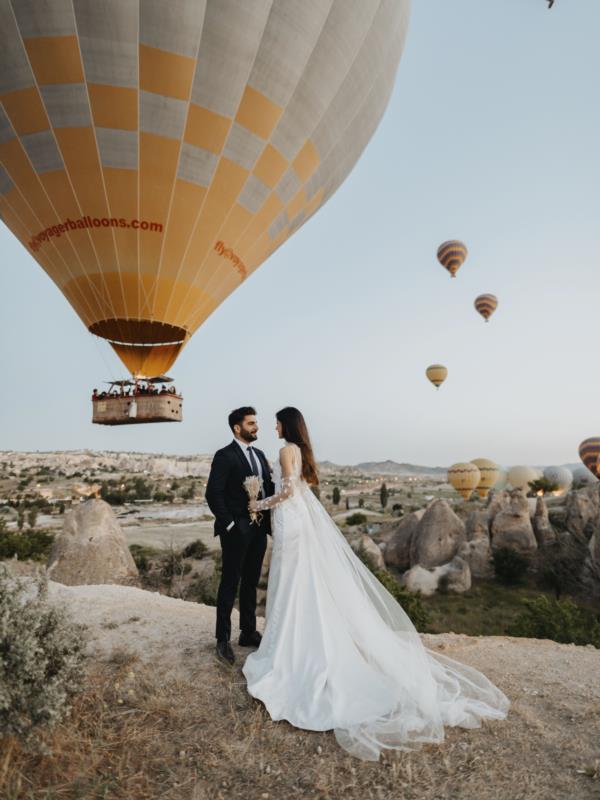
(91, 549)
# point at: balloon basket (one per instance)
(165, 407)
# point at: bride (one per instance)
(338, 652)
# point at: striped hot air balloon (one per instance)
(437, 374)
(589, 450)
(452, 255)
(464, 477)
(486, 304)
(153, 153)
(490, 472)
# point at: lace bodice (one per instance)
(287, 476)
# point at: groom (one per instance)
(243, 543)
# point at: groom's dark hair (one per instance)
(238, 414)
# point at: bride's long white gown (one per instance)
(338, 652)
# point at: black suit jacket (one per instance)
(225, 493)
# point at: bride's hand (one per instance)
(252, 505)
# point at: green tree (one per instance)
(32, 516)
(347, 503)
(336, 496)
(20, 518)
(361, 502)
(383, 495)
(542, 485)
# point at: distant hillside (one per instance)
(393, 468)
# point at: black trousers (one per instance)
(243, 549)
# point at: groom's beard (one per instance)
(248, 437)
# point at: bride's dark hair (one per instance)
(294, 430)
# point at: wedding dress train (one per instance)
(338, 652)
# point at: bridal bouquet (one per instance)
(253, 486)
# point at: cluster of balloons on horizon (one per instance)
(482, 475)
(452, 255)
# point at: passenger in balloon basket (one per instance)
(243, 538)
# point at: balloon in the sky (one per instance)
(464, 477)
(452, 255)
(583, 477)
(561, 477)
(521, 476)
(490, 472)
(154, 154)
(486, 304)
(437, 374)
(589, 450)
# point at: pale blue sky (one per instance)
(491, 136)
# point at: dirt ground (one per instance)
(177, 724)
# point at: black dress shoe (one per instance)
(250, 639)
(225, 653)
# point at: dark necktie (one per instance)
(253, 464)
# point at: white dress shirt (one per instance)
(244, 448)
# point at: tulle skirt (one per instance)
(339, 653)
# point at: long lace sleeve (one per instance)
(287, 490)
(286, 458)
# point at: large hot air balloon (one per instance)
(589, 450)
(561, 477)
(437, 374)
(153, 153)
(485, 305)
(521, 476)
(490, 472)
(452, 255)
(464, 477)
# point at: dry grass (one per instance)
(137, 734)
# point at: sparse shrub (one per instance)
(509, 566)
(143, 556)
(559, 620)
(41, 658)
(32, 516)
(560, 566)
(29, 544)
(356, 519)
(204, 589)
(195, 549)
(361, 502)
(336, 496)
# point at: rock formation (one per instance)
(438, 536)
(91, 548)
(511, 526)
(543, 530)
(397, 548)
(455, 576)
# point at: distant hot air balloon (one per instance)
(521, 476)
(490, 472)
(452, 255)
(437, 374)
(561, 477)
(589, 450)
(486, 304)
(464, 477)
(583, 477)
(154, 154)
